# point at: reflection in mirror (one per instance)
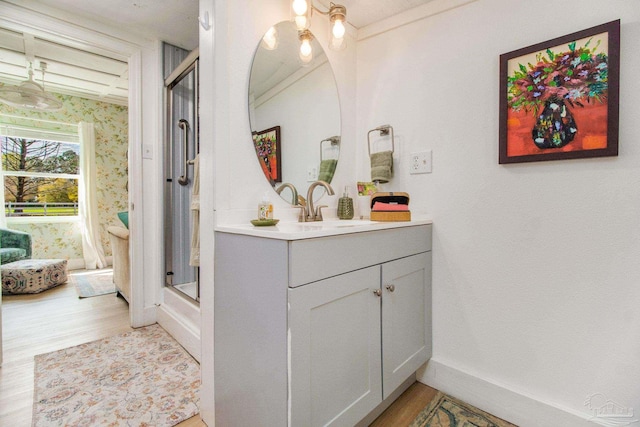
(301, 101)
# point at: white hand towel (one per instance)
(194, 259)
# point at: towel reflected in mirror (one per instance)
(327, 169)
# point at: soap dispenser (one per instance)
(345, 205)
(265, 208)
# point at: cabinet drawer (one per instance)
(311, 260)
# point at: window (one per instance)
(40, 173)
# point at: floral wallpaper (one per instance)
(53, 240)
(64, 240)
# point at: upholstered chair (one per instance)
(14, 245)
(119, 238)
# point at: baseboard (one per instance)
(78, 263)
(75, 264)
(510, 405)
(149, 316)
(181, 328)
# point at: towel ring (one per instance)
(335, 140)
(384, 130)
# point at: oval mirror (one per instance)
(294, 112)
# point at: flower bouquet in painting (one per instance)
(267, 146)
(559, 80)
(557, 97)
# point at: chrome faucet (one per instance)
(294, 192)
(311, 214)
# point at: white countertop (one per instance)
(310, 230)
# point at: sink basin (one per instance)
(324, 225)
(345, 223)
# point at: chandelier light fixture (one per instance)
(301, 11)
(29, 94)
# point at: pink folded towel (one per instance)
(380, 206)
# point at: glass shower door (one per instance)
(181, 149)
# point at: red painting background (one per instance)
(272, 175)
(591, 121)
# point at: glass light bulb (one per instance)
(306, 52)
(305, 48)
(338, 29)
(300, 7)
(301, 22)
(270, 39)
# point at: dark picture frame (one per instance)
(268, 146)
(559, 98)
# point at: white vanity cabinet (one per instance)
(319, 331)
(355, 338)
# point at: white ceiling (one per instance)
(80, 73)
(69, 70)
(174, 21)
(361, 13)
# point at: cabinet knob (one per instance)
(391, 288)
(377, 292)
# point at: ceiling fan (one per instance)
(29, 94)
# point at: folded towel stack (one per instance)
(327, 169)
(382, 166)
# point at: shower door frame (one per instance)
(189, 64)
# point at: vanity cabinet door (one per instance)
(406, 318)
(335, 353)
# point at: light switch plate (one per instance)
(147, 151)
(420, 162)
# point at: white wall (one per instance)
(208, 133)
(535, 266)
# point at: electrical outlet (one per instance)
(420, 162)
(312, 174)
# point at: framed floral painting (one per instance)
(559, 98)
(267, 144)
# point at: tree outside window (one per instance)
(40, 177)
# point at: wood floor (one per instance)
(57, 319)
(41, 323)
(407, 407)
(400, 414)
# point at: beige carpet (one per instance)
(445, 411)
(91, 283)
(138, 378)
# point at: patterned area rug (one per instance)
(445, 411)
(91, 283)
(138, 378)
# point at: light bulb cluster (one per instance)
(301, 15)
(301, 10)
